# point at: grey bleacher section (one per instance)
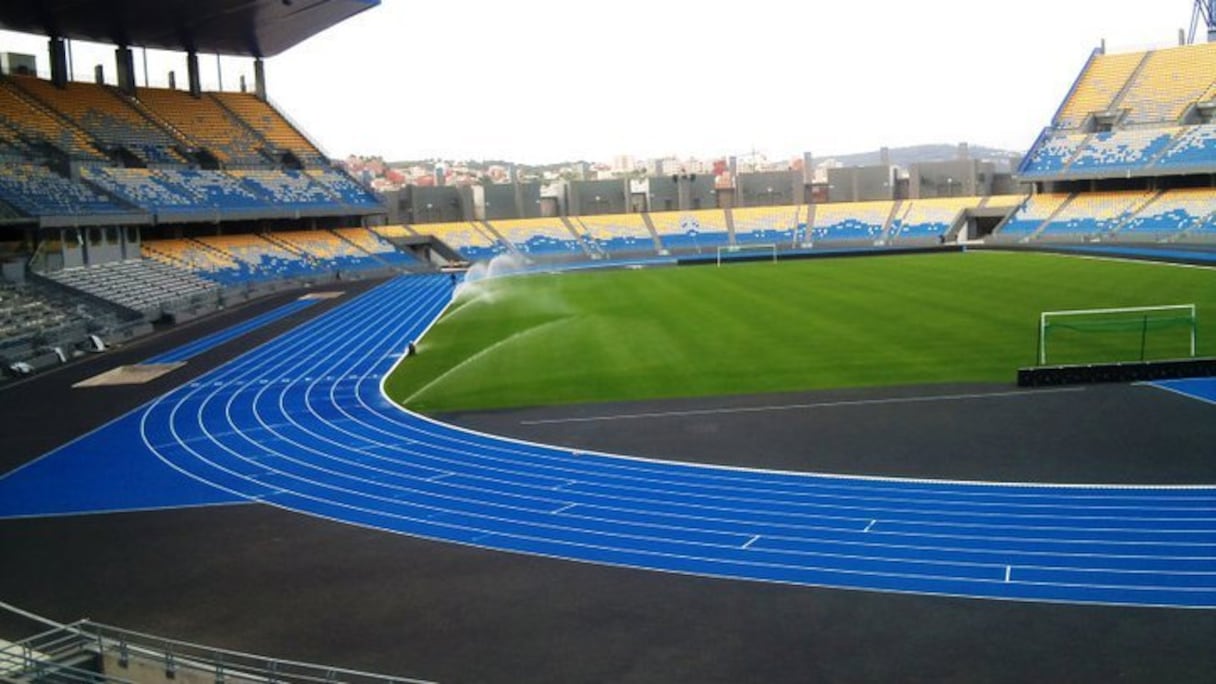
(35, 320)
(145, 286)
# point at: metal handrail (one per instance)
(39, 654)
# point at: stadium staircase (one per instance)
(1121, 95)
(380, 261)
(892, 222)
(494, 236)
(810, 223)
(183, 139)
(58, 133)
(1134, 211)
(654, 234)
(730, 226)
(312, 262)
(589, 245)
(1185, 233)
(1034, 234)
(958, 226)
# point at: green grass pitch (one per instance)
(759, 327)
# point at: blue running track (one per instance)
(301, 423)
(202, 344)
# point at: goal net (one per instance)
(751, 252)
(1111, 335)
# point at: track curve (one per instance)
(302, 423)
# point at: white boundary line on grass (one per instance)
(795, 407)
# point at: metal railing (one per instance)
(94, 653)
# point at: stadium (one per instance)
(262, 423)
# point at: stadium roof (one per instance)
(251, 28)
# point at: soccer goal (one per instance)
(1135, 333)
(753, 252)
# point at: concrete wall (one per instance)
(685, 192)
(700, 192)
(588, 198)
(958, 178)
(499, 202)
(508, 201)
(435, 204)
(861, 184)
(663, 194)
(770, 188)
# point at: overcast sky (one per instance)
(546, 80)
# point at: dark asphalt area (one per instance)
(263, 580)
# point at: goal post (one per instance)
(766, 251)
(1118, 334)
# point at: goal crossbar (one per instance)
(1046, 315)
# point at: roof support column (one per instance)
(196, 84)
(124, 63)
(259, 78)
(59, 61)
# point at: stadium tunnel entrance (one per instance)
(979, 223)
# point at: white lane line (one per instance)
(995, 568)
(796, 407)
(870, 526)
(751, 541)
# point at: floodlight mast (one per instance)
(1205, 12)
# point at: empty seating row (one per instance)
(698, 230)
(34, 316)
(1146, 109)
(466, 237)
(343, 187)
(328, 249)
(1169, 81)
(619, 233)
(1123, 149)
(1031, 215)
(855, 222)
(1154, 87)
(270, 125)
(1097, 87)
(1092, 214)
(260, 259)
(378, 246)
(206, 122)
(1144, 149)
(245, 258)
(36, 190)
(1195, 147)
(185, 190)
(287, 187)
(1136, 215)
(137, 284)
(539, 236)
(191, 255)
(23, 315)
(1176, 212)
(928, 219)
(780, 225)
(109, 120)
(24, 116)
